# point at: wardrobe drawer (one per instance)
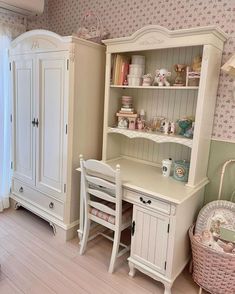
(147, 201)
(38, 199)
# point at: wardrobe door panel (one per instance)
(52, 107)
(23, 116)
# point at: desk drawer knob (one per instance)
(145, 202)
(51, 205)
(21, 190)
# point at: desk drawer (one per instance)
(146, 201)
(38, 199)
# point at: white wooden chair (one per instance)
(102, 196)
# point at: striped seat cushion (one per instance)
(126, 212)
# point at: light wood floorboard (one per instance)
(33, 261)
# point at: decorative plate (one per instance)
(214, 215)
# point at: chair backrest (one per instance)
(104, 184)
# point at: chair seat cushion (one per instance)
(126, 212)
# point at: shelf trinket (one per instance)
(180, 70)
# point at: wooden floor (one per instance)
(32, 261)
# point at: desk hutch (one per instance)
(163, 208)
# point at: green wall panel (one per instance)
(219, 153)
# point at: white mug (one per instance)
(166, 167)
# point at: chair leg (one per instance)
(85, 236)
(116, 241)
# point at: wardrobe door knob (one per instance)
(21, 190)
(51, 205)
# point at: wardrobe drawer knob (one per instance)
(21, 190)
(51, 205)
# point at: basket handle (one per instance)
(99, 25)
(222, 176)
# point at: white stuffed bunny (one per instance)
(161, 76)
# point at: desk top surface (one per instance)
(144, 178)
(149, 179)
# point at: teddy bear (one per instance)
(161, 76)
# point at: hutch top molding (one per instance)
(154, 36)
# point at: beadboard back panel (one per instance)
(151, 152)
(171, 104)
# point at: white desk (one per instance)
(163, 210)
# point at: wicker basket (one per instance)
(212, 270)
(92, 28)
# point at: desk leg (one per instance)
(167, 288)
(132, 269)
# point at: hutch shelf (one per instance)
(153, 136)
(156, 87)
(163, 209)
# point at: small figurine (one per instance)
(172, 128)
(162, 125)
(190, 131)
(132, 122)
(180, 75)
(140, 124)
(161, 76)
(197, 63)
(184, 124)
(147, 80)
(167, 126)
(123, 123)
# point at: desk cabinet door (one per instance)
(150, 238)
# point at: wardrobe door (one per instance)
(52, 91)
(23, 92)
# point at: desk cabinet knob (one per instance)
(21, 190)
(51, 205)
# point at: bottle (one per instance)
(166, 167)
(142, 115)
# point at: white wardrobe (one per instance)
(57, 102)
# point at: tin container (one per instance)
(181, 170)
